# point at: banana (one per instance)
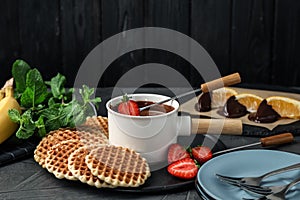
(2, 94)
(7, 127)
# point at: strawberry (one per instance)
(176, 152)
(201, 154)
(184, 168)
(128, 107)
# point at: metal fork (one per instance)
(255, 181)
(278, 192)
(259, 190)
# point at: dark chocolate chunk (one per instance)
(265, 114)
(204, 103)
(233, 109)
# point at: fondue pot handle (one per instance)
(221, 82)
(216, 126)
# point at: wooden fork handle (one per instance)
(221, 82)
(217, 126)
(283, 138)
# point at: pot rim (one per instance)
(176, 106)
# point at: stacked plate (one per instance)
(246, 163)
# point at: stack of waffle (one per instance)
(83, 154)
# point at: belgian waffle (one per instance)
(55, 137)
(98, 122)
(118, 166)
(56, 161)
(79, 169)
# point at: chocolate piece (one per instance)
(265, 114)
(204, 103)
(233, 109)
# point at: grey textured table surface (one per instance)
(25, 179)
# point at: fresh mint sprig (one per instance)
(46, 110)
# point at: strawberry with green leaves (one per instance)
(184, 163)
(128, 107)
(201, 154)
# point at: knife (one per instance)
(274, 140)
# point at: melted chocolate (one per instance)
(204, 103)
(155, 110)
(265, 114)
(233, 109)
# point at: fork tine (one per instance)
(237, 182)
(229, 178)
(249, 188)
(253, 190)
(262, 198)
(257, 189)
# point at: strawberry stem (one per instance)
(197, 163)
(125, 98)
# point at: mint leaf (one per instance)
(36, 90)
(51, 117)
(57, 86)
(49, 112)
(66, 115)
(52, 124)
(14, 115)
(41, 126)
(19, 71)
(96, 102)
(51, 102)
(27, 126)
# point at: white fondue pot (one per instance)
(148, 135)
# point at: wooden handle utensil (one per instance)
(274, 140)
(277, 139)
(221, 82)
(217, 126)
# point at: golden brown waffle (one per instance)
(55, 137)
(99, 122)
(83, 135)
(78, 167)
(118, 166)
(40, 153)
(56, 161)
(92, 129)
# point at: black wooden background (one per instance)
(258, 38)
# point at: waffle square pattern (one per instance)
(83, 154)
(118, 166)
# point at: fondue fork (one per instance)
(205, 87)
(273, 140)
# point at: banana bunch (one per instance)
(7, 102)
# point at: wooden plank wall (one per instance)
(257, 38)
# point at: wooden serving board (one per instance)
(189, 107)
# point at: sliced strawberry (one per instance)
(123, 109)
(133, 108)
(201, 154)
(184, 169)
(128, 107)
(177, 152)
